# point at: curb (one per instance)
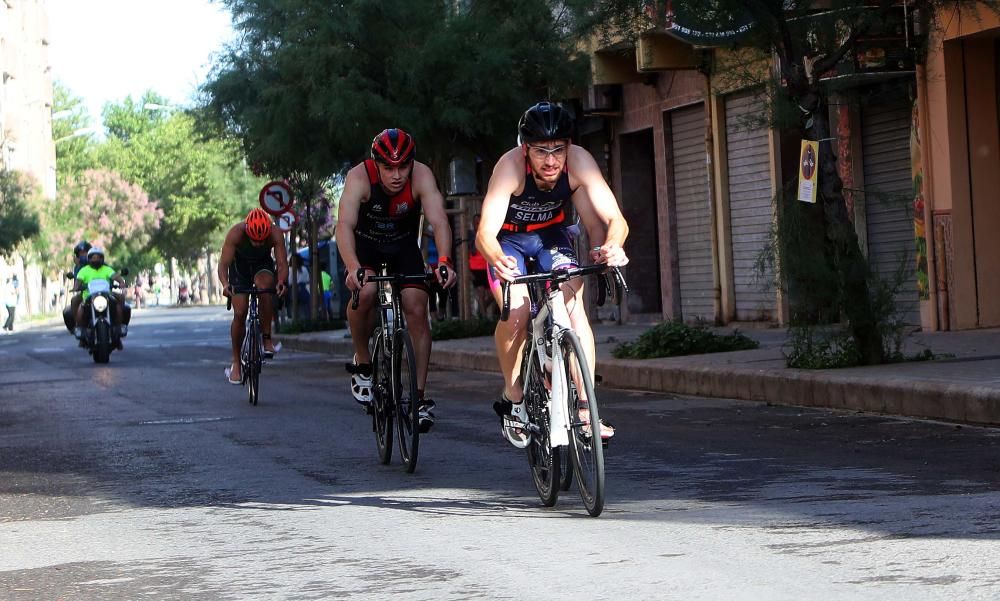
(791, 387)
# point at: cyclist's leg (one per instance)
(509, 335)
(236, 333)
(560, 254)
(238, 328)
(415, 299)
(264, 278)
(362, 320)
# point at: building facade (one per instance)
(26, 121)
(697, 165)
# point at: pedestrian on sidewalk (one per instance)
(11, 296)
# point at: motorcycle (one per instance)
(101, 334)
(182, 294)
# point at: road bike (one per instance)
(394, 368)
(558, 389)
(252, 349)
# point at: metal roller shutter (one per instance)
(750, 206)
(885, 146)
(693, 213)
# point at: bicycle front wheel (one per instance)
(253, 361)
(543, 459)
(382, 408)
(404, 376)
(586, 449)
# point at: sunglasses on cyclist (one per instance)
(543, 152)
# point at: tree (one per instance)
(74, 152)
(808, 39)
(309, 83)
(196, 181)
(18, 219)
(102, 207)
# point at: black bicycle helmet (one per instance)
(545, 121)
(82, 245)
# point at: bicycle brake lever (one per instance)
(356, 295)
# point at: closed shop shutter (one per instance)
(750, 204)
(693, 213)
(885, 146)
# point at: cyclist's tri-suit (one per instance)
(387, 229)
(248, 262)
(536, 226)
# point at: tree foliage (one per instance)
(74, 149)
(18, 219)
(310, 82)
(197, 181)
(101, 207)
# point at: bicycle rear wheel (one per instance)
(543, 459)
(382, 409)
(585, 447)
(404, 377)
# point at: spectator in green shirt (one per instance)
(327, 295)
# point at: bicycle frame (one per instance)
(545, 332)
(555, 378)
(252, 351)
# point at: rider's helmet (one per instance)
(80, 247)
(258, 225)
(545, 121)
(95, 251)
(393, 147)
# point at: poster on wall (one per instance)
(808, 168)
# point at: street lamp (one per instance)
(80, 132)
(152, 106)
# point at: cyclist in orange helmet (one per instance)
(247, 259)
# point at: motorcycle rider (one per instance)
(79, 262)
(96, 269)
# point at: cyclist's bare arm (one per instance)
(425, 188)
(597, 207)
(356, 190)
(280, 259)
(506, 179)
(228, 254)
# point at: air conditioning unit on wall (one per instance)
(603, 100)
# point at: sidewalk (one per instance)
(963, 388)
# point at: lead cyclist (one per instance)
(525, 215)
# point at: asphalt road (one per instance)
(151, 478)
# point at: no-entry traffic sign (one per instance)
(275, 198)
(287, 220)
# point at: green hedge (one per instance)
(675, 338)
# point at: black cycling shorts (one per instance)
(243, 272)
(402, 257)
